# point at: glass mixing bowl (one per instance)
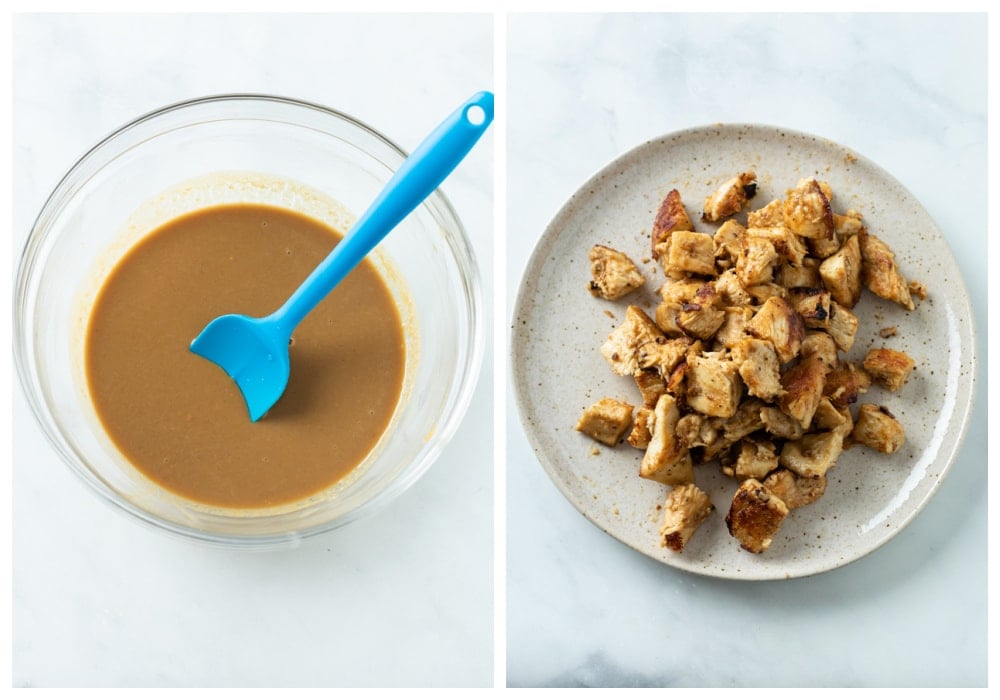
(243, 148)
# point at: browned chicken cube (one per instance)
(780, 424)
(888, 368)
(802, 386)
(812, 304)
(666, 459)
(755, 516)
(796, 491)
(877, 428)
(754, 459)
(845, 384)
(690, 252)
(880, 273)
(621, 349)
(696, 430)
(771, 214)
(807, 211)
(651, 384)
(663, 354)
(841, 273)
(843, 326)
(830, 418)
(729, 288)
(713, 385)
(757, 363)
(756, 260)
(671, 217)
(812, 454)
(640, 433)
(606, 421)
(727, 240)
(760, 293)
(821, 345)
(731, 197)
(614, 274)
(779, 323)
(787, 245)
(804, 275)
(686, 507)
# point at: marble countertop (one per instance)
(401, 598)
(585, 610)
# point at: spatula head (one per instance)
(252, 351)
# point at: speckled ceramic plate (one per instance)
(558, 328)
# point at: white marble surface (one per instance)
(402, 598)
(909, 92)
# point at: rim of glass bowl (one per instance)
(458, 402)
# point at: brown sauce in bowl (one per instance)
(180, 420)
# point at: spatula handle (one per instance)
(416, 179)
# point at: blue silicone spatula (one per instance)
(254, 351)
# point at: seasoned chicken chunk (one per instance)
(804, 275)
(671, 217)
(713, 386)
(755, 516)
(734, 327)
(812, 304)
(731, 197)
(812, 454)
(771, 214)
(606, 421)
(779, 323)
(823, 346)
(787, 245)
(888, 368)
(843, 326)
(690, 252)
(796, 491)
(614, 274)
(802, 386)
(845, 383)
(807, 211)
(754, 459)
(663, 355)
(729, 288)
(697, 430)
(756, 260)
(877, 428)
(830, 418)
(686, 507)
(640, 433)
(780, 424)
(880, 273)
(757, 363)
(651, 384)
(622, 347)
(727, 240)
(666, 459)
(841, 273)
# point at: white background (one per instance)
(908, 92)
(402, 598)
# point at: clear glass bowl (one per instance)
(243, 148)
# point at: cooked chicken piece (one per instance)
(696, 430)
(771, 214)
(877, 428)
(845, 383)
(734, 327)
(780, 424)
(757, 363)
(756, 260)
(680, 291)
(760, 293)
(823, 346)
(614, 273)
(728, 286)
(830, 418)
(622, 347)
(606, 421)
(803, 388)
(812, 454)
(666, 459)
(841, 273)
(848, 225)
(787, 245)
(755, 459)
(640, 434)
(806, 275)
(690, 252)
(781, 324)
(731, 197)
(676, 386)
(755, 516)
(671, 217)
(880, 273)
(651, 384)
(685, 509)
(666, 318)
(795, 491)
(713, 386)
(823, 248)
(843, 326)
(663, 355)
(888, 368)
(745, 421)
(813, 305)
(702, 315)
(917, 289)
(807, 211)
(727, 240)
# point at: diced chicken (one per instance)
(666, 318)
(666, 459)
(758, 366)
(671, 217)
(843, 326)
(729, 288)
(807, 211)
(821, 345)
(621, 349)
(841, 273)
(755, 516)
(690, 252)
(779, 323)
(803, 389)
(697, 430)
(812, 454)
(787, 245)
(804, 275)
(682, 290)
(795, 491)
(780, 424)
(606, 421)
(676, 385)
(847, 225)
(746, 420)
(713, 385)
(640, 433)
(731, 197)
(734, 326)
(663, 355)
(812, 304)
(888, 368)
(701, 315)
(830, 418)
(686, 507)
(845, 384)
(651, 384)
(754, 459)
(880, 273)
(756, 260)
(727, 240)
(771, 214)
(760, 293)
(614, 274)
(877, 428)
